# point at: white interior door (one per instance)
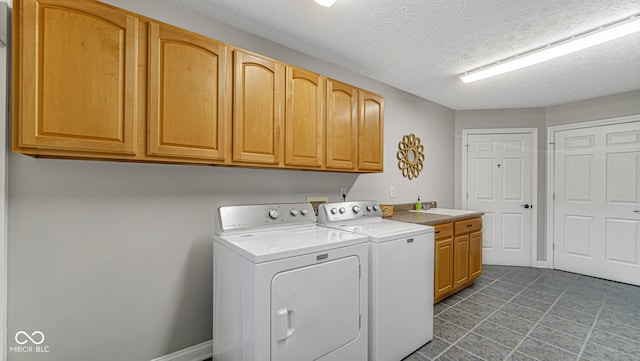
(500, 183)
(597, 201)
(315, 310)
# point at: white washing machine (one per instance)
(286, 289)
(400, 277)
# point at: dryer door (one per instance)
(315, 309)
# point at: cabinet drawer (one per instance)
(444, 230)
(468, 225)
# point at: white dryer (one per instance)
(285, 289)
(400, 277)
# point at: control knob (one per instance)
(294, 212)
(356, 209)
(368, 208)
(342, 210)
(304, 211)
(334, 211)
(375, 208)
(273, 213)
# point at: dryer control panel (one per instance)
(346, 211)
(234, 219)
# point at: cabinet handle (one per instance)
(469, 225)
(436, 232)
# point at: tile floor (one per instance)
(520, 313)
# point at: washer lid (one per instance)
(384, 230)
(272, 245)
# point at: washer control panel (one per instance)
(230, 219)
(345, 211)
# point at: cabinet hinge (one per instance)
(554, 196)
(467, 195)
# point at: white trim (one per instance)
(199, 352)
(551, 136)
(534, 177)
(542, 264)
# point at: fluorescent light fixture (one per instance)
(325, 3)
(551, 51)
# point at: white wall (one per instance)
(112, 261)
(612, 106)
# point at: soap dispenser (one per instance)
(418, 204)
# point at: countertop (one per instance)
(430, 219)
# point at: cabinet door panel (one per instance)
(77, 77)
(443, 274)
(304, 124)
(342, 122)
(475, 254)
(258, 107)
(461, 261)
(187, 94)
(370, 132)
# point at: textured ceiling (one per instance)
(421, 46)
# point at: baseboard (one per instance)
(542, 264)
(199, 352)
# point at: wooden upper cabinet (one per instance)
(342, 126)
(188, 94)
(258, 109)
(304, 118)
(371, 132)
(75, 74)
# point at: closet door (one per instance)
(597, 201)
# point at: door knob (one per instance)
(527, 206)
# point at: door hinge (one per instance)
(467, 195)
(554, 196)
(553, 246)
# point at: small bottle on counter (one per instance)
(418, 204)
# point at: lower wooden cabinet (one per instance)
(475, 254)
(443, 268)
(460, 261)
(458, 256)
